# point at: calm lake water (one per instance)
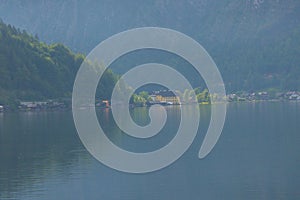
(257, 157)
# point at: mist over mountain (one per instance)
(255, 43)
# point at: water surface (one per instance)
(257, 157)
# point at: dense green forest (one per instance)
(33, 70)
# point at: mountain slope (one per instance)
(255, 43)
(82, 24)
(32, 70)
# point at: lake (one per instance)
(256, 157)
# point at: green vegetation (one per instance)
(203, 97)
(33, 70)
(140, 99)
(254, 55)
(255, 44)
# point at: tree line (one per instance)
(33, 70)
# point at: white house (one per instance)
(294, 97)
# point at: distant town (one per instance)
(264, 96)
(162, 97)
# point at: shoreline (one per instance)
(69, 108)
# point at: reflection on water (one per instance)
(35, 147)
(257, 157)
(141, 117)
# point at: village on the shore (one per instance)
(162, 97)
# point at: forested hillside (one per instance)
(255, 43)
(33, 70)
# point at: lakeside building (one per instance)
(41, 105)
(264, 95)
(165, 97)
(104, 103)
